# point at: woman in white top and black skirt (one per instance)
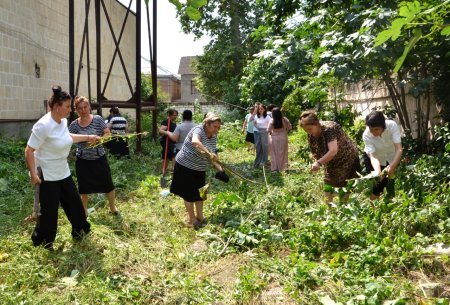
(48, 147)
(190, 167)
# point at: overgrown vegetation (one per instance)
(300, 53)
(278, 244)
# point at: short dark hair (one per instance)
(270, 107)
(376, 119)
(187, 115)
(172, 111)
(114, 110)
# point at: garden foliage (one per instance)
(264, 242)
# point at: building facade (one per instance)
(34, 56)
(189, 92)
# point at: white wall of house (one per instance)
(34, 53)
(364, 100)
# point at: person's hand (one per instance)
(218, 167)
(93, 139)
(35, 179)
(390, 171)
(213, 157)
(316, 166)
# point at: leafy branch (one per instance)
(111, 137)
(414, 16)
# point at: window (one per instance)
(193, 87)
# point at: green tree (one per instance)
(335, 41)
(229, 24)
(427, 23)
(146, 89)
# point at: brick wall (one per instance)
(34, 53)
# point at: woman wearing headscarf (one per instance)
(191, 163)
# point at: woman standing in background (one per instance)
(261, 121)
(118, 125)
(278, 129)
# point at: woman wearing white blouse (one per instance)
(261, 122)
(48, 147)
(383, 151)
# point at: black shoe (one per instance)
(222, 176)
(203, 223)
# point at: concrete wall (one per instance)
(34, 53)
(117, 87)
(204, 107)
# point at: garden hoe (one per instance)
(163, 181)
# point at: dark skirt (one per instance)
(250, 137)
(186, 182)
(119, 147)
(94, 176)
(171, 151)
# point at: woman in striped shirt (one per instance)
(118, 125)
(91, 166)
(190, 167)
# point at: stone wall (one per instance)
(34, 49)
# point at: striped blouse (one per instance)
(96, 127)
(118, 124)
(189, 156)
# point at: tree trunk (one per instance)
(399, 101)
(394, 97)
(236, 37)
(403, 101)
(419, 119)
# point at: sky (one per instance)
(172, 43)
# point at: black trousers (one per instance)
(385, 183)
(52, 193)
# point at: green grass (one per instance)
(275, 245)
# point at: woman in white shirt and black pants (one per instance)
(383, 150)
(48, 147)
